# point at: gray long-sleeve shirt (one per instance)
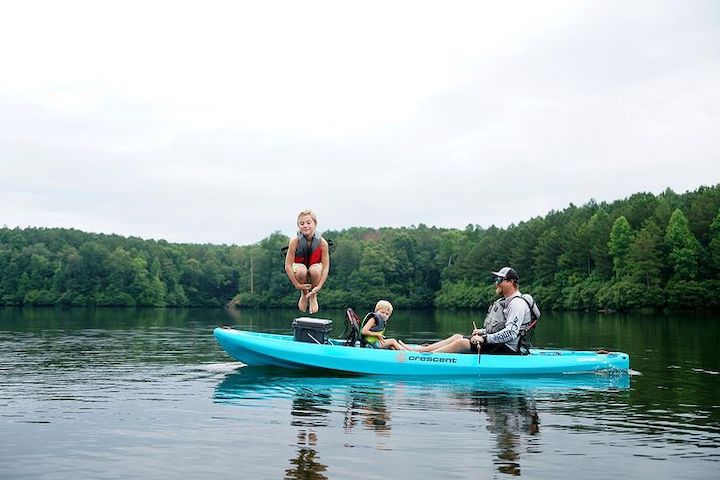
(516, 314)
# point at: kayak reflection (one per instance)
(267, 382)
(506, 408)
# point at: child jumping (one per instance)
(307, 261)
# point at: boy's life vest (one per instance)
(379, 326)
(497, 314)
(308, 254)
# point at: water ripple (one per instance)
(133, 400)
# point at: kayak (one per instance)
(267, 349)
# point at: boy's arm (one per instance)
(368, 325)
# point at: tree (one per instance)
(644, 261)
(666, 203)
(547, 253)
(714, 245)
(683, 247)
(597, 232)
(621, 237)
(702, 211)
(620, 254)
(637, 208)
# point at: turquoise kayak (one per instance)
(266, 349)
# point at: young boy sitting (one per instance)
(373, 328)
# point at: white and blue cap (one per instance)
(507, 273)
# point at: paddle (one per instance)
(475, 328)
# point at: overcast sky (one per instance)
(216, 122)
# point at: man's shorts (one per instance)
(491, 348)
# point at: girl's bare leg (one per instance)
(301, 276)
(314, 272)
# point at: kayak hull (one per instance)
(265, 349)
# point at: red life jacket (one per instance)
(308, 254)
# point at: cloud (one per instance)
(219, 124)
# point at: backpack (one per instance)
(527, 330)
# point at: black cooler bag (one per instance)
(318, 328)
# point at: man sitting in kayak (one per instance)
(373, 328)
(501, 332)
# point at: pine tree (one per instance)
(683, 247)
(644, 260)
(714, 245)
(621, 237)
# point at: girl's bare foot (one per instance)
(303, 303)
(314, 307)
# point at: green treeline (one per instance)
(642, 251)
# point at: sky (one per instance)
(218, 121)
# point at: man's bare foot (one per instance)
(303, 303)
(314, 307)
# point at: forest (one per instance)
(645, 251)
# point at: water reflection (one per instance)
(312, 406)
(80, 387)
(306, 465)
(262, 383)
(367, 404)
(309, 411)
(512, 419)
(505, 408)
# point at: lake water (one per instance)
(124, 393)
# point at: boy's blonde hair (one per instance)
(384, 304)
(307, 212)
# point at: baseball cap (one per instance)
(507, 273)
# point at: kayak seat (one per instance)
(352, 328)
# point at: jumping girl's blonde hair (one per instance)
(384, 304)
(307, 212)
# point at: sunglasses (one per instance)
(499, 280)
